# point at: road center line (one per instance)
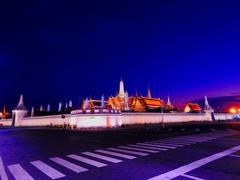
(3, 174)
(194, 165)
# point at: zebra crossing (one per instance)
(99, 158)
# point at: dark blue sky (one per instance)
(58, 50)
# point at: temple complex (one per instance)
(122, 102)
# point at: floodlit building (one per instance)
(135, 103)
(192, 108)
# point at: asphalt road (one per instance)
(135, 153)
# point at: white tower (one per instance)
(32, 112)
(48, 108)
(70, 104)
(19, 112)
(121, 89)
(59, 107)
(86, 103)
(41, 108)
(102, 102)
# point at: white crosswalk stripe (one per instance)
(180, 141)
(168, 144)
(174, 142)
(154, 145)
(113, 160)
(148, 147)
(74, 167)
(138, 149)
(19, 173)
(3, 175)
(116, 154)
(86, 160)
(48, 170)
(128, 151)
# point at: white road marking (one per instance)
(234, 155)
(168, 144)
(138, 149)
(155, 145)
(113, 160)
(74, 167)
(19, 173)
(194, 165)
(87, 161)
(179, 141)
(173, 142)
(148, 147)
(116, 154)
(48, 170)
(191, 177)
(128, 151)
(3, 175)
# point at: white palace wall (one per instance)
(115, 120)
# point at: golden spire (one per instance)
(149, 93)
(121, 88)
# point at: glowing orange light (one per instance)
(233, 111)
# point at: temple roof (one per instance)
(194, 107)
(21, 106)
(152, 102)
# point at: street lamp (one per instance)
(162, 118)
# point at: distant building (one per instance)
(192, 108)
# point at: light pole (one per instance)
(162, 118)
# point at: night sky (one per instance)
(53, 51)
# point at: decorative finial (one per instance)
(149, 93)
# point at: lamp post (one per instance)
(162, 118)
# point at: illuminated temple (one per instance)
(125, 103)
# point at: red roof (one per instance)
(194, 107)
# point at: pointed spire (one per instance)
(136, 93)
(169, 102)
(207, 106)
(66, 106)
(20, 105)
(4, 109)
(149, 93)
(121, 88)
(20, 100)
